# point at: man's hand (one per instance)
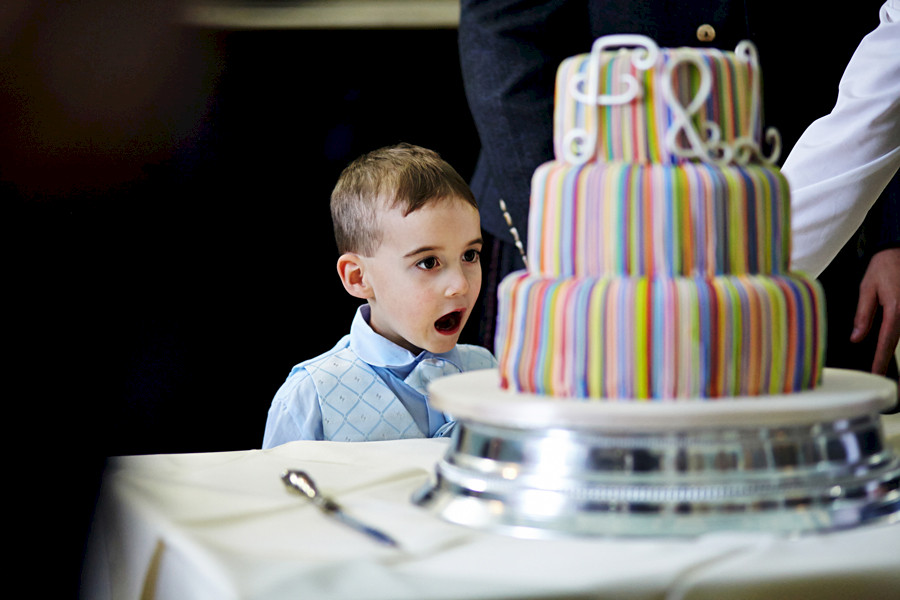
(880, 287)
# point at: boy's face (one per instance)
(426, 274)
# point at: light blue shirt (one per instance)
(397, 374)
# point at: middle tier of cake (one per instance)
(659, 338)
(627, 219)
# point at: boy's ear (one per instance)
(351, 269)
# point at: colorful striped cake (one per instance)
(659, 238)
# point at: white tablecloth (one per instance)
(222, 525)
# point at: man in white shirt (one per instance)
(838, 168)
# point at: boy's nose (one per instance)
(458, 283)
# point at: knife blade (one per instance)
(303, 483)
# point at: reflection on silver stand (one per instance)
(817, 470)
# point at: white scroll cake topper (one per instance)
(745, 147)
(711, 147)
(579, 144)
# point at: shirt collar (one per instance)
(379, 351)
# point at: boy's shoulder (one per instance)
(474, 357)
(340, 351)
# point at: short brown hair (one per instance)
(402, 175)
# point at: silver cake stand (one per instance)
(532, 466)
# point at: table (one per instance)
(222, 525)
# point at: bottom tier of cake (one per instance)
(660, 338)
(533, 466)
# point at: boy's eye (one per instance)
(471, 255)
(427, 263)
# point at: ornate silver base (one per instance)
(832, 471)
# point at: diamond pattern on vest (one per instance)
(356, 404)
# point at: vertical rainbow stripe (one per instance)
(660, 338)
(691, 220)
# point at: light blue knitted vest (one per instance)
(357, 406)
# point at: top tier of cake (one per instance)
(644, 104)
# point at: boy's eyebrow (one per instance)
(425, 249)
(420, 251)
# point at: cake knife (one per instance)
(303, 483)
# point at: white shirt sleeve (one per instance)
(844, 160)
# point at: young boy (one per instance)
(409, 234)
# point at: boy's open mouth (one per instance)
(450, 322)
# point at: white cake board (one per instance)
(477, 396)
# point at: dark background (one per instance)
(165, 192)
